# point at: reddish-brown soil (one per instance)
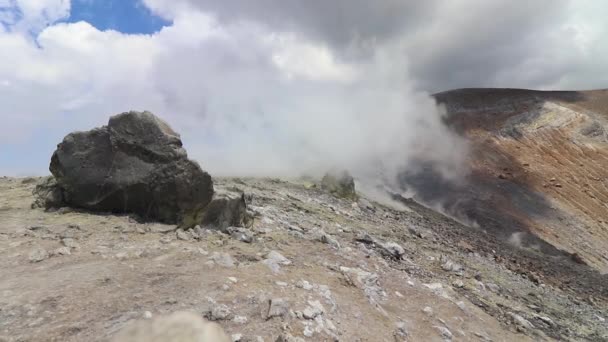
(539, 164)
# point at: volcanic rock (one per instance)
(227, 209)
(135, 164)
(340, 184)
(47, 194)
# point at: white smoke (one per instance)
(248, 99)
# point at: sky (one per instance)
(274, 87)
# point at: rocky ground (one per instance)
(310, 267)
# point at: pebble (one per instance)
(147, 314)
(220, 312)
(401, 330)
(233, 280)
(458, 284)
(328, 239)
(398, 294)
(38, 254)
(236, 337)
(182, 235)
(462, 306)
(240, 319)
(444, 332)
(547, 320)
(222, 259)
(274, 260)
(308, 332)
(70, 243)
(493, 287)
(62, 251)
(277, 307)
(303, 284)
(314, 309)
(393, 249)
(166, 239)
(281, 283)
(241, 234)
(428, 310)
(521, 322)
(451, 266)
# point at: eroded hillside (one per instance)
(538, 175)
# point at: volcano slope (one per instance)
(538, 175)
(350, 271)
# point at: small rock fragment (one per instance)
(521, 322)
(451, 266)
(278, 258)
(314, 309)
(328, 239)
(289, 338)
(303, 284)
(547, 320)
(38, 254)
(70, 243)
(401, 331)
(392, 249)
(241, 234)
(444, 332)
(493, 287)
(462, 306)
(223, 259)
(277, 307)
(219, 312)
(308, 332)
(182, 235)
(274, 259)
(239, 319)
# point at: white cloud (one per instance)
(247, 99)
(273, 90)
(33, 15)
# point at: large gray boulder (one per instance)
(135, 164)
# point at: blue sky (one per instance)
(126, 16)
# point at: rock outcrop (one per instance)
(47, 194)
(135, 164)
(227, 209)
(340, 184)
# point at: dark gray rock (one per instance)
(135, 164)
(340, 184)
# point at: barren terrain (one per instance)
(353, 271)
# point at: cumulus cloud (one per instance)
(276, 88)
